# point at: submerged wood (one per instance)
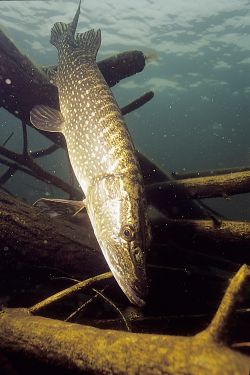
(87, 349)
(31, 238)
(220, 185)
(209, 172)
(26, 164)
(173, 208)
(137, 103)
(222, 231)
(31, 86)
(226, 238)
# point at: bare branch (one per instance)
(201, 187)
(217, 329)
(89, 349)
(25, 140)
(39, 172)
(69, 291)
(139, 102)
(44, 152)
(7, 139)
(116, 308)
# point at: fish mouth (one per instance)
(135, 296)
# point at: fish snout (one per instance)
(137, 294)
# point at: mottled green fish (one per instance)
(102, 156)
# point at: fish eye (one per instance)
(128, 233)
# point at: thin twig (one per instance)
(115, 307)
(69, 291)
(83, 306)
(44, 152)
(241, 345)
(7, 175)
(25, 140)
(8, 138)
(40, 173)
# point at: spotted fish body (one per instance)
(102, 156)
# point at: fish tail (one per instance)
(89, 42)
(59, 33)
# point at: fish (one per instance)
(102, 155)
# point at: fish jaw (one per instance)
(129, 274)
(137, 295)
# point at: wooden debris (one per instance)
(221, 185)
(87, 349)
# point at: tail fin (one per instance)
(58, 34)
(89, 42)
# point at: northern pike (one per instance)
(102, 156)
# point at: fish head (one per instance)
(117, 210)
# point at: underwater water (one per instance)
(197, 65)
(199, 117)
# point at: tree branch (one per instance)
(88, 349)
(201, 187)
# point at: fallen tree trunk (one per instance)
(29, 237)
(214, 186)
(87, 349)
(208, 235)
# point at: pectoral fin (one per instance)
(46, 118)
(60, 207)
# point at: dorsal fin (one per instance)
(62, 31)
(73, 25)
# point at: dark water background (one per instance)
(200, 115)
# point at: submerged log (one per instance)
(30, 237)
(207, 173)
(87, 349)
(221, 185)
(227, 232)
(229, 239)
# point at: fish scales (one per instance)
(102, 136)
(102, 156)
